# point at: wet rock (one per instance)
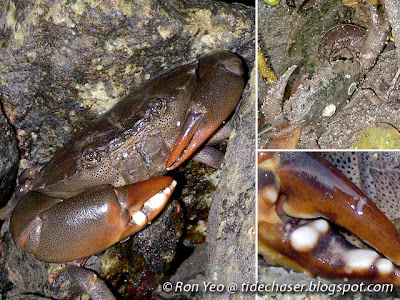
(9, 158)
(20, 272)
(393, 10)
(231, 230)
(191, 273)
(65, 63)
(345, 128)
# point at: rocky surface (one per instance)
(231, 231)
(64, 63)
(9, 160)
(363, 169)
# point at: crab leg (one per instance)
(220, 86)
(377, 34)
(54, 230)
(314, 188)
(298, 186)
(90, 283)
(272, 106)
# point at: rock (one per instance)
(9, 158)
(231, 230)
(65, 63)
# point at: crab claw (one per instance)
(58, 231)
(220, 86)
(314, 188)
(304, 186)
(316, 248)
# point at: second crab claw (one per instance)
(220, 77)
(294, 187)
(57, 230)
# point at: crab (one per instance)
(107, 183)
(347, 53)
(306, 203)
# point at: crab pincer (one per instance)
(56, 230)
(221, 83)
(314, 188)
(301, 199)
(95, 191)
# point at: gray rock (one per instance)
(9, 158)
(231, 231)
(65, 63)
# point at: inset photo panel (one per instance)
(328, 224)
(328, 74)
(127, 149)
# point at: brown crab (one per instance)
(105, 184)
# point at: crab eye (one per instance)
(90, 157)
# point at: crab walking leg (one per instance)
(221, 83)
(376, 36)
(90, 283)
(312, 247)
(272, 107)
(314, 188)
(90, 222)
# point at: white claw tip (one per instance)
(306, 237)
(159, 200)
(384, 266)
(139, 218)
(359, 259)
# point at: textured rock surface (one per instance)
(393, 11)
(9, 159)
(287, 36)
(231, 230)
(64, 63)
